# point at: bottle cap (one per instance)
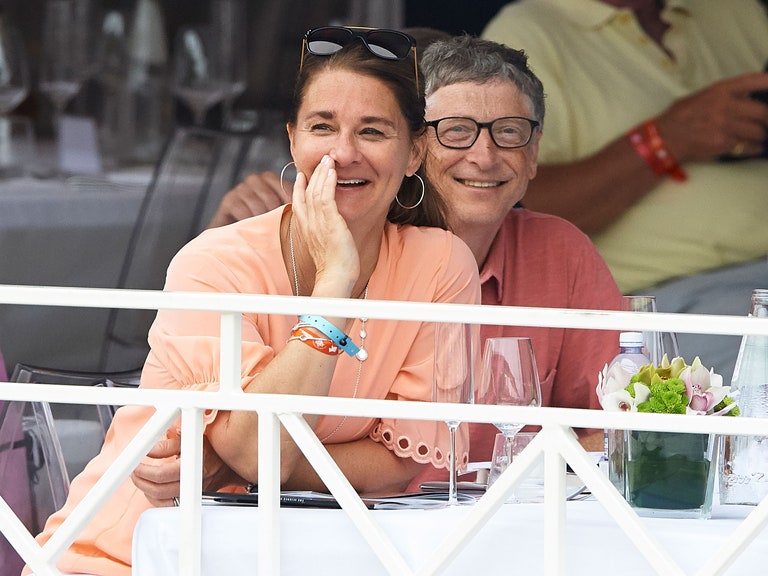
(630, 339)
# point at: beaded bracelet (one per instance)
(650, 146)
(342, 340)
(314, 338)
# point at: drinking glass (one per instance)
(509, 378)
(656, 343)
(61, 67)
(196, 79)
(14, 72)
(229, 31)
(453, 381)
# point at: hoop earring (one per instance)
(282, 172)
(421, 198)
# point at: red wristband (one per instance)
(661, 152)
(649, 145)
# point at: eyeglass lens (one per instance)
(511, 132)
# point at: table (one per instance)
(63, 234)
(318, 541)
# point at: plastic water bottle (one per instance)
(744, 459)
(631, 358)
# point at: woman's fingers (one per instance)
(158, 474)
(323, 232)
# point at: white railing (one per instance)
(555, 441)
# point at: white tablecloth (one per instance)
(316, 541)
(59, 234)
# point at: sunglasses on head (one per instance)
(381, 42)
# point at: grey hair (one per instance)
(469, 59)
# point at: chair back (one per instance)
(79, 430)
(175, 209)
(33, 476)
(43, 445)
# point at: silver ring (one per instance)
(176, 501)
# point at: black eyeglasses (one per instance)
(461, 133)
(384, 43)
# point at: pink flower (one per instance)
(703, 387)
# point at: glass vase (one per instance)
(664, 474)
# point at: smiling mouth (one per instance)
(478, 184)
(353, 182)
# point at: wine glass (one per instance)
(228, 28)
(656, 343)
(196, 79)
(61, 67)
(453, 381)
(15, 132)
(509, 378)
(14, 72)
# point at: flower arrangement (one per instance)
(670, 388)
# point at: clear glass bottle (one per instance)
(744, 459)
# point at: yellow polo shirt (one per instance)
(603, 75)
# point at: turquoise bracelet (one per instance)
(342, 340)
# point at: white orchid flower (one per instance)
(611, 381)
(620, 401)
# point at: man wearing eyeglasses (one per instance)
(485, 114)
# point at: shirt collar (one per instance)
(595, 13)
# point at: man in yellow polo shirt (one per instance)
(644, 100)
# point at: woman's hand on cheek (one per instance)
(325, 232)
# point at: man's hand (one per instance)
(722, 118)
(257, 194)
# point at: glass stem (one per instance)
(453, 491)
(226, 112)
(509, 440)
(199, 116)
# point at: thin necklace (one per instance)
(362, 355)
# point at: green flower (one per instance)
(727, 407)
(667, 397)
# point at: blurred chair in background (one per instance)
(195, 162)
(79, 429)
(33, 476)
(43, 445)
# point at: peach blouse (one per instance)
(415, 264)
